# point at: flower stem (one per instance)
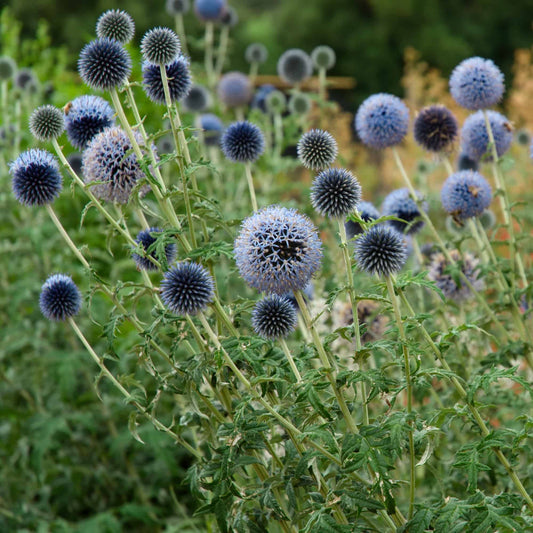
(290, 359)
(251, 188)
(208, 59)
(222, 50)
(180, 30)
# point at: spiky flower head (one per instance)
(323, 57)
(477, 83)
(160, 46)
(440, 271)
(234, 89)
(465, 194)
(187, 288)
(8, 67)
(475, 138)
(60, 298)
(178, 7)
(85, 117)
(104, 64)
(209, 10)
(25, 79)
(212, 129)
(229, 17)
(47, 123)
(380, 250)
(178, 76)
(275, 102)
(115, 24)
(382, 120)
(36, 177)
(277, 250)
(435, 128)
(256, 53)
(367, 212)
(523, 137)
(197, 100)
(294, 66)
(243, 142)
(465, 163)
(147, 241)
(109, 161)
(299, 104)
(317, 149)
(400, 204)
(335, 192)
(274, 317)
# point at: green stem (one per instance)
(222, 50)
(322, 84)
(208, 60)
(180, 30)
(250, 181)
(290, 359)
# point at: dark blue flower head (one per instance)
(274, 317)
(229, 17)
(465, 163)
(380, 250)
(523, 137)
(335, 192)
(367, 212)
(179, 80)
(197, 100)
(85, 117)
(234, 89)
(256, 53)
(400, 204)
(243, 142)
(147, 241)
(475, 138)
(294, 66)
(104, 64)
(8, 67)
(476, 83)
(317, 149)
(260, 96)
(25, 79)
(209, 10)
(212, 129)
(47, 123)
(36, 178)
(187, 288)
(60, 298)
(382, 120)
(465, 194)
(323, 57)
(278, 250)
(178, 7)
(299, 104)
(435, 128)
(115, 24)
(160, 46)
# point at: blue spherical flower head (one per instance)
(160, 46)
(146, 240)
(115, 24)
(367, 213)
(209, 10)
(234, 89)
(85, 117)
(36, 178)
(335, 192)
(435, 128)
(294, 66)
(179, 80)
(400, 204)
(475, 138)
(243, 142)
(382, 120)
(256, 53)
(47, 123)
(212, 129)
(274, 317)
(277, 250)
(465, 194)
(380, 250)
(60, 299)
(260, 96)
(465, 163)
(177, 7)
(104, 64)
(197, 100)
(187, 288)
(476, 83)
(317, 149)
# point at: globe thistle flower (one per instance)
(212, 127)
(367, 213)
(435, 128)
(36, 178)
(8, 67)
(25, 79)
(277, 250)
(476, 83)
(465, 163)
(260, 96)
(382, 120)
(400, 204)
(85, 117)
(229, 17)
(146, 240)
(275, 102)
(380, 250)
(75, 160)
(234, 89)
(439, 272)
(243, 142)
(487, 219)
(299, 104)
(47, 123)
(209, 10)
(104, 64)
(178, 76)
(187, 288)
(323, 57)
(177, 7)
(256, 53)
(115, 24)
(60, 299)
(197, 100)
(108, 160)
(335, 192)
(475, 138)
(523, 137)
(160, 46)
(294, 66)
(465, 194)
(274, 317)
(317, 149)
